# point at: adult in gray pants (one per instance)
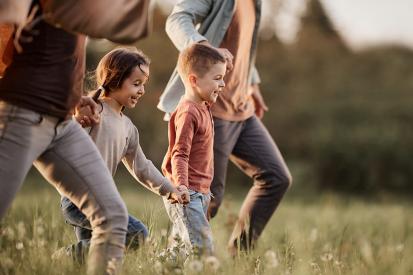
(232, 27)
(39, 88)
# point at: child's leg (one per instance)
(190, 223)
(74, 166)
(137, 233)
(199, 229)
(77, 219)
(179, 233)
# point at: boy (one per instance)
(189, 160)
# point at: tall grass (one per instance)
(324, 234)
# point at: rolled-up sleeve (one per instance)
(181, 23)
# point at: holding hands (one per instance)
(86, 112)
(180, 195)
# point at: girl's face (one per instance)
(132, 87)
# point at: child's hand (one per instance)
(184, 193)
(179, 195)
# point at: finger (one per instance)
(87, 120)
(180, 201)
(228, 54)
(95, 119)
(88, 101)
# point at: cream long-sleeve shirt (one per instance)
(117, 139)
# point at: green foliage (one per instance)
(345, 116)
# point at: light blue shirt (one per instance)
(192, 21)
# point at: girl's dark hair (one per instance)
(115, 67)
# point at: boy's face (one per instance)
(132, 87)
(211, 83)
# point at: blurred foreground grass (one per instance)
(321, 234)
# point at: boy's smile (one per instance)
(210, 85)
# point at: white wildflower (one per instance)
(19, 246)
(326, 257)
(195, 266)
(21, 230)
(40, 230)
(399, 248)
(212, 263)
(313, 235)
(158, 267)
(271, 259)
(178, 271)
(164, 232)
(366, 251)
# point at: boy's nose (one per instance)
(222, 84)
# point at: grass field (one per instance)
(325, 234)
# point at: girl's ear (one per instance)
(192, 80)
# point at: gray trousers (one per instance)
(66, 156)
(249, 146)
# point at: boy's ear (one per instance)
(192, 79)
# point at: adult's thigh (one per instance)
(23, 136)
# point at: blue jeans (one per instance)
(190, 224)
(136, 230)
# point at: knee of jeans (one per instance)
(136, 237)
(141, 231)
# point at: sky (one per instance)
(362, 23)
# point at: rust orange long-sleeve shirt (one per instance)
(189, 159)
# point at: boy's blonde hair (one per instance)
(198, 59)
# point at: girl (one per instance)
(121, 76)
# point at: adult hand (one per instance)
(86, 112)
(260, 106)
(225, 52)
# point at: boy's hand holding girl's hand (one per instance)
(180, 195)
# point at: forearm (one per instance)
(180, 25)
(180, 170)
(149, 176)
(181, 30)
